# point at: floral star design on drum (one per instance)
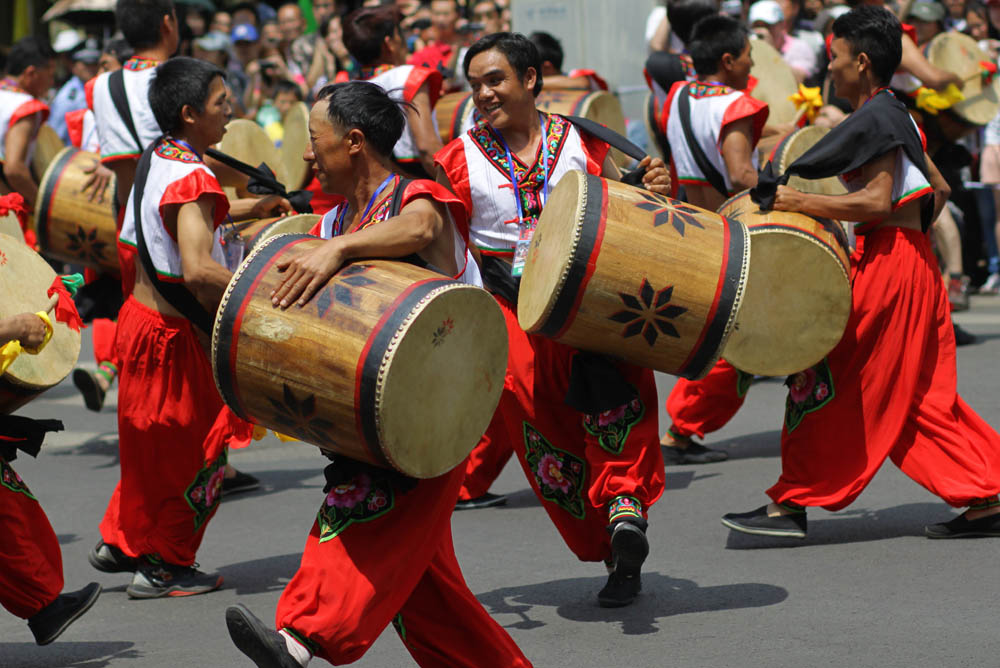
(298, 417)
(341, 291)
(667, 211)
(648, 313)
(85, 246)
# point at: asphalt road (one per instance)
(865, 589)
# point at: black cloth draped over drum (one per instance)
(881, 125)
(25, 434)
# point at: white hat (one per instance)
(766, 11)
(66, 41)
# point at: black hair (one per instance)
(178, 82)
(549, 48)
(140, 20)
(713, 37)
(365, 106)
(286, 86)
(365, 29)
(516, 48)
(246, 6)
(28, 51)
(683, 14)
(875, 32)
(119, 48)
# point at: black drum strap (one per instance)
(116, 84)
(711, 174)
(176, 294)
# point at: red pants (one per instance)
(103, 335)
(377, 555)
(487, 459)
(698, 407)
(887, 390)
(577, 463)
(31, 574)
(172, 431)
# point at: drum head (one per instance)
(10, 226)
(293, 145)
(300, 224)
(775, 82)
(24, 280)
(452, 353)
(47, 147)
(247, 141)
(792, 148)
(961, 54)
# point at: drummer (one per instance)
(605, 518)
(349, 585)
(887, 390)
(30, 75)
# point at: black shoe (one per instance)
(487, 500)
(621, 590)
(960, 527)
(54, 618)
(694, 453)
(265, 646)
(629, 547)
(155, 578)
(962, 337)
(109, 559)
(758, 523)
(241, 482)
(90, 388)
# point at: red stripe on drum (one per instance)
(724, 271)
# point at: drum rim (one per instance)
(313, 217)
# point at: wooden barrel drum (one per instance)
(599, 106)
(621, 271)
(388, 364)
(69, 227)
(798, 291)
(454, 114)
(24, 281)
(259, 231)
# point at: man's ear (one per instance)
(864, 62)
(356, 141)
(530, 77)
(727, 61)
(189, 115)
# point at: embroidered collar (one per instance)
(171, 150)
(139, 64)
(700, 89)
(380, 210)
(8, 83)
(367, 73)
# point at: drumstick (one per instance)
(53, 300)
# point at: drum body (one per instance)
(454, 113)
(775, 82)
(388, 364)
(261, 230)
(798, 292)
(69, 227)
(24, 281)
(960, 54)
(599, 106)
(621, 271)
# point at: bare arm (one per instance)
(15, 167)
(421, 123)
(737, 153)
(930, 75)
(203, 276)
(661, 38)
(942, 191)
(873, 202)
(249, 208)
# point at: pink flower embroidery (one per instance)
(611, 416)
(550, 471)
(533, 436)
(377, 500)
(197, 494)
(213, 487)
(802, 385)
(350, 494)
(822, 391)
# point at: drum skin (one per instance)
(48, 145)
(793, 146)
(68, 225)
(293, 146)
(388, 364)
(25, 278)
(775, 82)
(798, 292)
(958, 53)
(618, 270)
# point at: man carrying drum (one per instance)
(365, 563)
(503, 170)
(888, 389)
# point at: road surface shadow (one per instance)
(66, 654)
(272, 481)
(259, 576)
(854, 525)
(102, 445)
(575, 599)
(761, 445)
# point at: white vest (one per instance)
(15, 104)
(402, 83)
(112, 133)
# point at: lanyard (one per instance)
(513, 176)
(378, 191)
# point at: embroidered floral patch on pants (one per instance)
(808, 391)
(612, 427)
(12, 481)
(204, 494)
(560, 475)
(363, 498)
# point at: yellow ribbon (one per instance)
(933, 101)
(12, 349)
(809, 99)
(260, 432)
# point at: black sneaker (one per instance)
(960, 527)
(265, 646)
(621, 590)
(109, 559)
(963, 337)
(54, 618)
(241, 482)
(90, 388)
(155, 578)
(629, 547)
(694, 453)
(487, 500)
(759, 523)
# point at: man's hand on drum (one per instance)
(27, 328)
(657, 176)
(307, 273)
(788, 199)
(100, 179)
(271, 206)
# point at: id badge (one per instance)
(526, 230)
(233, 247)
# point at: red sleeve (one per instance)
(27, 109)
(452, 160)
(417, 78)
(321, 202)
(343, 76)
(746, 107)
(596, 151)
(317, 229)
(596, 82)
(910, 31)
(74, 126)
(88, 93)
(437, 192)
(190, 188)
